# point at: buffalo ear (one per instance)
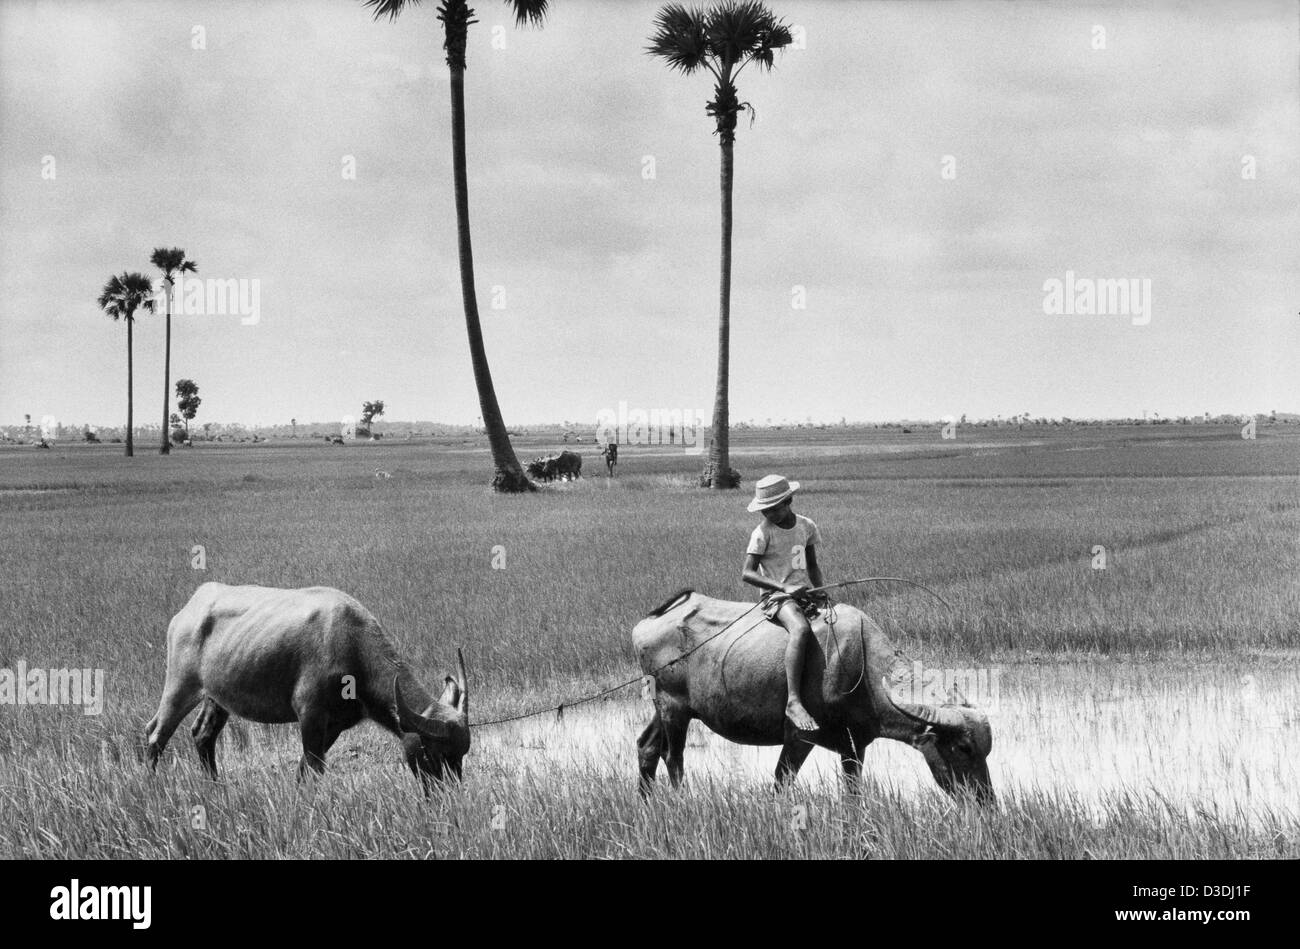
(450, 693)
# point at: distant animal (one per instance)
(335, 439)
(382, 474)
(735, 684)
(610, 454)
(545, 469)
(568, 465)
(315, 656)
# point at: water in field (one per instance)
(1205, 737)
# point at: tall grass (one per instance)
(368, 806)
(1202, 539)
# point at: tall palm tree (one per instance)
(121, 298)
(171, 261)
(456, 17)
(722, 40)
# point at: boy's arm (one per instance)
(756, 579)
(814, 569)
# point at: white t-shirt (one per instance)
(782, 551)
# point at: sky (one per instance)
(914, 177)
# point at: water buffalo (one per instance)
(543, 469)
(735, 684)
(565, 465)
(315, 656)
(568, 465)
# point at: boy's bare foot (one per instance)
(799, 716)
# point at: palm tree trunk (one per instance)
(130, 383)
(718, 473)
(509, 476)
(166, 446)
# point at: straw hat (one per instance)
(771, 491)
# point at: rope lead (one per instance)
(559, 709)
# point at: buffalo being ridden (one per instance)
(734, 682)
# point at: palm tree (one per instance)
(456, 17)
(122, 296)
(170, 260)
(722, 40)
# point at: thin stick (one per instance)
(846, 583)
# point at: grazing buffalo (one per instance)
(313, 656)
(735, 684)
(543, 469)
(568, 465)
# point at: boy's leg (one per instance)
(796, 624)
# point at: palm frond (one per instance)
(529, 12)
(733, 30)
(680, 37)
(141, 289)
(741, 31)
(113, 291)
(776, 38)
(390, 8)
(125, 294)
(167, 259)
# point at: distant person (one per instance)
(611, 457)
(782, 559)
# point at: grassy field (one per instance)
(1148, 708)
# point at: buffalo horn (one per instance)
(940, 717)
(430, 727)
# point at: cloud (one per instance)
(1118, 162)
